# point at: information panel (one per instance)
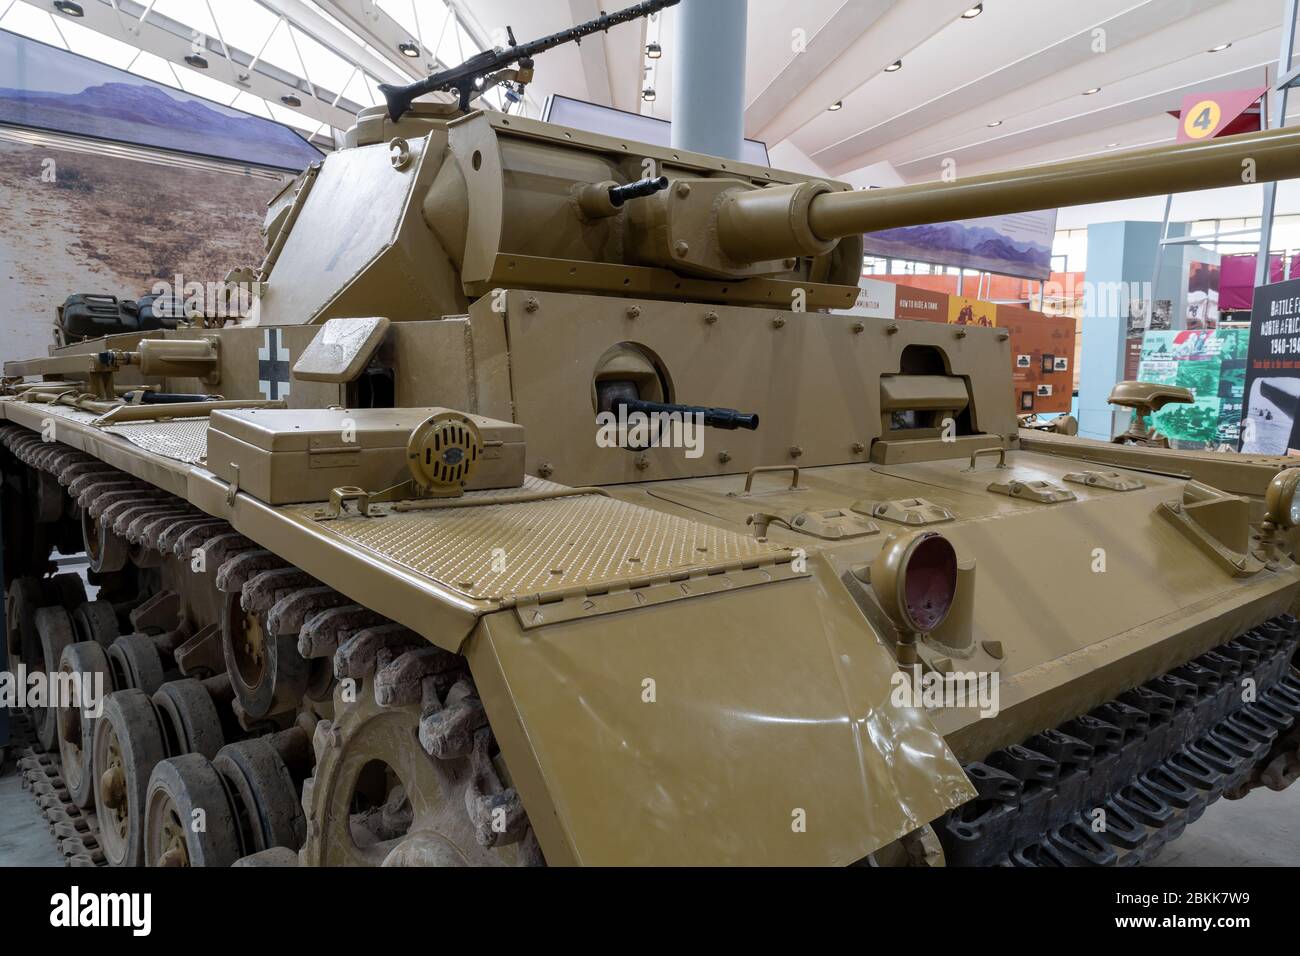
(1272, 404)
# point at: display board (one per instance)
(1042, 363)
(1210, 362)
(921, 304)
(1272, 387)
(1042, 346)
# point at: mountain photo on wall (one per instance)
(43, 87)
(1017, 245)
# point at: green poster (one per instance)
(1209, 363)
(1197, 423)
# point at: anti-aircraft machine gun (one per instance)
(512, 65)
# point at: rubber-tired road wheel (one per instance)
(54, 628)
(189, 820)
(272, 808)
(96, 621)
(76, 721)
(189, 708)
(137, 663)
(129, 743)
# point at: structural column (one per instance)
(709, 77)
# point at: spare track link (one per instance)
(1112, 787)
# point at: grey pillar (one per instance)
(709, 77)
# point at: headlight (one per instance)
(1282, 508)
(915, 580)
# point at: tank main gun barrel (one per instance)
(790, 220)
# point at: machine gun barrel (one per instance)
(760, 224)
(728, 418)
(462, 79)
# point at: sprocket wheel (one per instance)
(378, 799)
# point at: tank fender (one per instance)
(747, 727)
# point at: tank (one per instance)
(543, 510)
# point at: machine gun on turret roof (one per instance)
(468, 79)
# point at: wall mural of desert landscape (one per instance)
(108, 197)
(95, 222)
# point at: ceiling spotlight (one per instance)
(973, 12)
(894, 67)
(1095, 89)
(408, 48)
(837, 105)
(648, 94)
(1112, 145)
(68, 8)
(1218, 49)
(290, 100)
(653, 50)
(196, 61)
(996, 123)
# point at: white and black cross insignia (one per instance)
(272, 366)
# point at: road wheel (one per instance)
(129, 743)
(54, 628)
(188, 817)
(272, 808)
(77, 727)
(96, 621)
(136, 662)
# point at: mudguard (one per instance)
(745, 727)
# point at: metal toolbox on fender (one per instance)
(285, 456)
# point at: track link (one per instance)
(76, 832)
(1112, 787)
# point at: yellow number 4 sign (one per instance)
(1207, 115)
(1202, 120)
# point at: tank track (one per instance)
(399, 667)
(1113, 786)
(75, 831)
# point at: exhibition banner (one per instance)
(1212, 364)
(876, 299)
(1017, 245)
(1272, 405)
(46, 88)
(921, 304)
(965, 310)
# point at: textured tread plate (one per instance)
(183, 439)
(587, 542)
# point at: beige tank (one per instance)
(545, 509)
